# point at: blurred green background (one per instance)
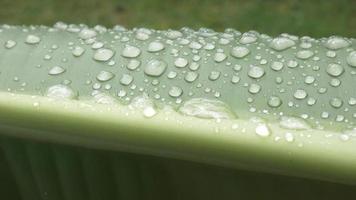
(301, 17)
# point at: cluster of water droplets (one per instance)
(299, 81)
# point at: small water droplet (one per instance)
(351, 59)
(78, 51)
(304, 54)
(277, 66)
(254, 88)
(61, 92)
(336, 102)
(133, 64)
(214, 75)
(262, 130)
(180, 62)
(274, 101)
(300, 94)
(87, 33)
(191, 76)
(219, 57)
(293, 123)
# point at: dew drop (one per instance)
(334, 69)
(104, 76)
(300, 94)
(130, 51)
(239, 52)
(155, 68)
(274, 101)
(336, 102)
(248, 38)
(262, 130)
(335, 42)
(126, 79)
(351, 59)
(219, 57)
(214, 75)
(32, 39)
(155, 46)
(281, 43)
(254, 88)
(206, 109)
(61, 92)
(103, 54)
(277, 66)
(78, 51)
(304, 54)
(181, 62)
(289, 137)
(191, 76)
(293, 123)
(87, 33)
(256, 72)
(56, 70)
(133, 64)
(175, 91)
(10, 44)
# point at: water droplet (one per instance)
(254, 88)
(262, 130)
(256, 72)
(104, 76)
(155, 67)
(335, 42)
(103, 54)
(304, 54)
(309, 79)
(78, 51)
(206, 109)
(32, 39)
(61, 92)
(191, 76)
(175, 91)
(248, 38)
(336, 102)
(281, 43)
(289, 137)
(239, 52)
(219, 57)
(102, 98)
(351, 59)
(214, 75)
(334, 69)
(87, 33)
(274, 101)
(126, 79)
(352, 101)
(277, 66)
(133, 64)
(56, 70)
(293, 123)
(155, 46)
(10, 44)
(300, 94)
(145, 104)
(130, 51)
(180, 62)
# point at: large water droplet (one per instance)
(256, 72)
(277, 66)
(133, 64)
(214, 75)
(175, 91)
(335, 42)
(155, 67)
(281, 43)
(10, 44)
(181, 62)
(105, 76)
(336, 102)
(206, 108)
(262, 130)
(126, 79)
(254, 88)
(130, 51)
(247, 38)
(274, 101)
(219, 57)
(32, 39)
(155, 46)
(239, 52)
(300, 94)
(103, 54)
(293, 123)
(61, 92)
(87, 33)
(334, 69)
(78, 51)
(304, 54)
(351, 59)
(191, 76)
(56, 70)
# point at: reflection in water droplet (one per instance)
(256, 72)
(175, 91)
(78, 51)
(155, 68)
(104, 76)
(130, 52)
(334, 69)
(126, 79)
(61, 92)
(103, 54)
(239, 51)
(281, 43)
(56, 70)
(274, 101)
(180, 62)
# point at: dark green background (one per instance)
(301, 17)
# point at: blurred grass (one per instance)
(301, 17)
